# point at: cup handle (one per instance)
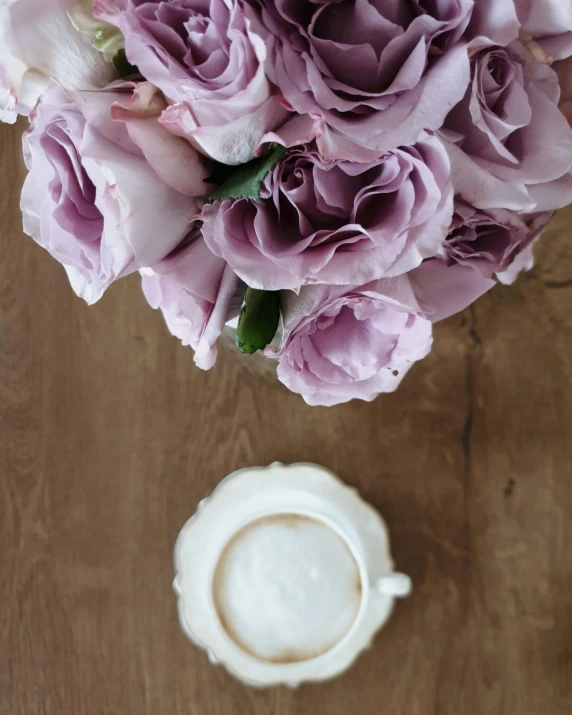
(396, 585)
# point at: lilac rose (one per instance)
(338, 222)
(206, 59)
(443, 289)
(197, 293)
(481, 246)
(342, 342)
(91, 197)
(372, 73)
(549, 22)
(497, 22)
(523, 258)
(509, 144)
(488, 241)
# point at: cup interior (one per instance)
(288, 587)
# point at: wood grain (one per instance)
(109, 436)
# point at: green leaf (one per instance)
(245, 181)
(258, 320)
(122, 66)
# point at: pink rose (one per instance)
(91, 198)
(197, 293)
(205, 58)
(373, 74)
(509, 144)
(337, 222)
(38, 42)
(343, 343)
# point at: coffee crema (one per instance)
(287, 588)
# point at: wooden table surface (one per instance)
(109, 437)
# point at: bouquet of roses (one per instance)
(328, 176)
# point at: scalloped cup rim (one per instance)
(303, 489)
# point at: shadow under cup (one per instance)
(288, 588)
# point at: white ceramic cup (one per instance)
(284, 575)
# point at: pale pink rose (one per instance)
(91, 198)
(347, 342)
(38, 42)
(174, 160)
